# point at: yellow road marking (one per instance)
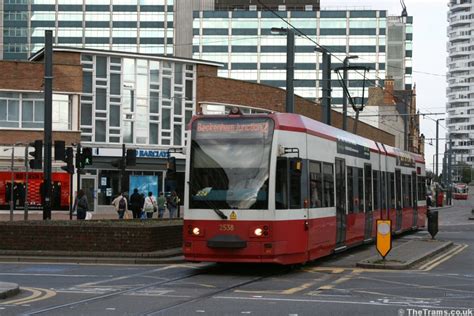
(445, 258)
(439, 257)
(297, 289)
(37, 295)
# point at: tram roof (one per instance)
(300, 123)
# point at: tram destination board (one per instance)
(352, 149)
(239, 128)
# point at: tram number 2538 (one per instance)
(226, 227)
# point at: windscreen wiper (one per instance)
(220, 213)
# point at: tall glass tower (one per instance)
(141, 26)
(460, 92)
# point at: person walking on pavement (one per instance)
(121, 205)
(149, 206)
(136, 202)
(173, 204)
(81, 205)
(161, 205)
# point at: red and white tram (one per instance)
(460, 191)
(282, 188)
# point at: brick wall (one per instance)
(90, 236)
(29, 76)
(7, 137)
(230, 91)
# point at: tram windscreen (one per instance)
(230, 161)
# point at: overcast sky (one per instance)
(429, 56)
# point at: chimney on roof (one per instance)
(388, 97)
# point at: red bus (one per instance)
(282, 188)
(60, 194)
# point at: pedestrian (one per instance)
(173, 204)
(81, 205)
(149, 206)
(161, 205)
(121, 205)
(136, 203)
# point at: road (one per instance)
(331, 286)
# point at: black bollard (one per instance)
(432, 223)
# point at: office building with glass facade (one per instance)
(143, 26)
(242, 40)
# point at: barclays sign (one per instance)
(152, 153)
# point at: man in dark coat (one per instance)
(136, 203)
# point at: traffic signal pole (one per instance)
(48, 124)
(78, 159)
(26, 183)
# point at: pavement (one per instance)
(8, 290)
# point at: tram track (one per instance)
(213, 293)
(200, 271)
(114, 294)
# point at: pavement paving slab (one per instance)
(8, 290)
(406, 255)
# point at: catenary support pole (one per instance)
(290, 71)
(48, 109)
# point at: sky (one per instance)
(429, 59)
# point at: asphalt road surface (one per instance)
(444, 285)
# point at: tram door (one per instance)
(340, 202)
(398, 197)
(414, 199)
(369, 214)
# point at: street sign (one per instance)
(384, 237)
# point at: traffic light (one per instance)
(87, 156)
(68, 159)
(59, 150)
(131, 159)
(171, 165)
(79, 161)
(37, 161)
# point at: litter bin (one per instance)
(439, 199)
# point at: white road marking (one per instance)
(110, 308)
(200, 311)
(277, 299)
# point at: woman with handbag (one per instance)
(149, 206)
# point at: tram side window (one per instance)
(421, 189)
(405, 192)
(350, 190)
(281, 189)
(360, 189)
(315, 183)
(295, 190)
(368, 187)
(398, 188)
(328, 200)
(391, 190)
(376, 175)
(409, 191)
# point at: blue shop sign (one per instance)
(152, 153)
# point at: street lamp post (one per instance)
(345, 63)
(290, 66)
(437, 139)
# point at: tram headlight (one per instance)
(196, 231)
(258, 232)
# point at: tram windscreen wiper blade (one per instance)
(220, 213)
